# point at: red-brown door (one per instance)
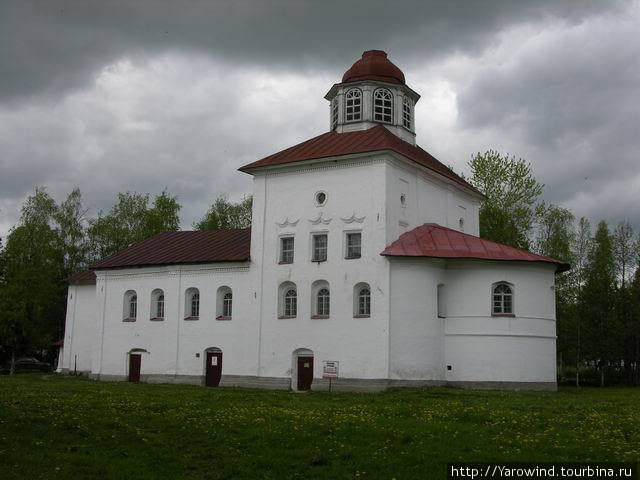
(134, 367)
(305, 372)
(214, 369)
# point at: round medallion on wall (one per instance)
(320, 198)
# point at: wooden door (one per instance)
(214, 369)
(305, 373)
(134, 367)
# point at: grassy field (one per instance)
(63, 427)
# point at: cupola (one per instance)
(372, 92)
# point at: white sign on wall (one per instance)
(330, 369)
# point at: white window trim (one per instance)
(346, 107)
(345, 244)
(316, 287)
(220, 293)
(375, 92)
(357, 288)
(312, 246)
(280, 250)
(513, 298)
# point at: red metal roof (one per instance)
(82, 278)
(432, 240)
(189, 247)
(332, 144)
(374, 65)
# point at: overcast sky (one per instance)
(145, 95)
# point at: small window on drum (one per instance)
(334, 113)
(406, 113)
(383, 106)
(353, 106)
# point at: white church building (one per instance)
(362, 267)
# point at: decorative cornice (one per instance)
(320, 220)
(353, 218)
(172, 273)
(333, 163)
(288, 223)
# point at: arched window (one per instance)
(224, 303)
(353, 110)
(320, 299)
(130, 307)
(290, 303)
(502, 299)
(334, 113)
(157, 304)
(406, 113)
(192, 304)
(383, 106)
(287, 300)
(323, 302)
(362, 300)
(227, 304)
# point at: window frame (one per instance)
(323, 303)
(357, 297)
(386, 110)
(314, 236)
(347, 236)
(157, 299)
(227, 304)
(359, 105)
(281, 255)
(320, 310)
(191, 294)
(511, 296)
(407, 113)
(335, 112)
(221, 303)
(129, 300)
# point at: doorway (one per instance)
(135, 359)
(303, 369)
(213, 367)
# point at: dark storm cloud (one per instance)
(144, 95)
(58, 46)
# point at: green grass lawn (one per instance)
(63, 427)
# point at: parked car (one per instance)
(31, 364)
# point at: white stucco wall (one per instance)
(80, 327)
(355, 202)
(479, 347)
(172, 344)
(428, 199)
(403, 339)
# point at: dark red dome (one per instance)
(374, 65)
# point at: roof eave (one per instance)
(415, 96)
(560, 266)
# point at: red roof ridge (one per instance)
(436, 241)
(377, 138)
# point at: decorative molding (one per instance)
(320, 220)
(288, 223)
(174, 273)
(324, 164)
(353, 218)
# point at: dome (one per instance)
(374, 65)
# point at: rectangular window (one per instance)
(286, 249)
(319, 247)
(354, 245)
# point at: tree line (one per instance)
(51, 242)
(597, 301)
